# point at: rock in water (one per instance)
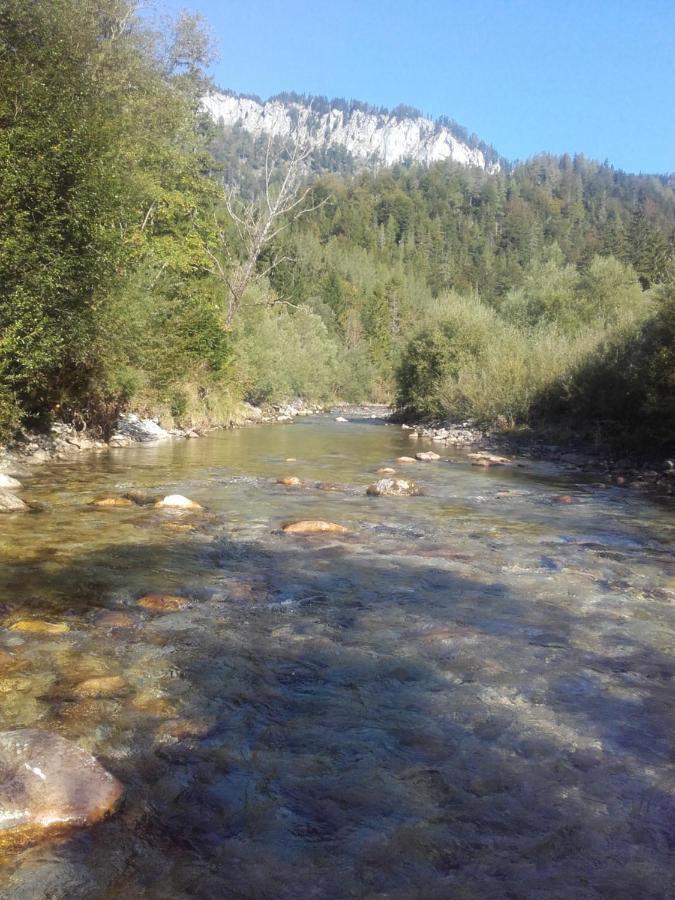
(10, 503)
(289, 481)
(392, 487)
(404, 460)
(164, 602)
(340, 419)
(49, 784)
(114, 501)
(428, 456)
(177, 501)
(313, 526)
(9, 483)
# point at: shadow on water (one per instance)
(334, 718)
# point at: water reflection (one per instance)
(467, 696)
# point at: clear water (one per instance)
(470, 695)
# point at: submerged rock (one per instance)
(49, 784)
(10, 503)
(177, 501)
(386, 470)
(163, 602)
(104, 686)
(8, 483)
(113, 501)
(488, 459)
(404, 460)
(289, 481)
(427, 456)
(39, 626)
(393, 487)
(313, 526)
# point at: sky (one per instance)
(594, 77)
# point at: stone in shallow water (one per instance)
(177, 501)
(48, 783)
(313, 526)
(392, 487)
(386, 470)
(289, 481)
(8, 483)
(39, 626)
(404, 460)
(113, 502)
(10, 503)
(104, 686)
(163, 602)
(427, 456)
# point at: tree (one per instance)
(259, 222)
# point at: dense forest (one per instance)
(539, 295)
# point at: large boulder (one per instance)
(10, 503)
(7, 483)
(393, 487)
(49, 784)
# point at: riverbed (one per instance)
(469, 694)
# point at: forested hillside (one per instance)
(539, 293)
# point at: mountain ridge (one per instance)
(370, 134)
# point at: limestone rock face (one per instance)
(392, 487)
(313, 526)
(49, 784)
(10, 503)
(386, 137)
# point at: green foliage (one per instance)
(102, 177)
(568, 347)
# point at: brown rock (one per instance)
(563, 498)
(49, 785)
(39, 626)
(488, 459)
(100, 687)
(386, 470)
(163, 602)
(289, 481)
(428, 456)
(115, 619)
(113, 502)
(313, 526)
(404, 460)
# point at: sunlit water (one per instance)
(467, 696)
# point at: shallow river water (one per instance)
(467, 696)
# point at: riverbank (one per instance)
(63, 441)
(620, 470)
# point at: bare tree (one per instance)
(260, 221)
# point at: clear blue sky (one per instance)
(595, 77)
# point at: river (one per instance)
(468, 695)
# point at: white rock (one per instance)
(341, 419)
(177, 501)
(10, 503)
(9, 483)
(365, 135)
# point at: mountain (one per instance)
(369, 135)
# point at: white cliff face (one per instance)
(383, 138)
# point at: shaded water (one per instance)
(468, 696)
